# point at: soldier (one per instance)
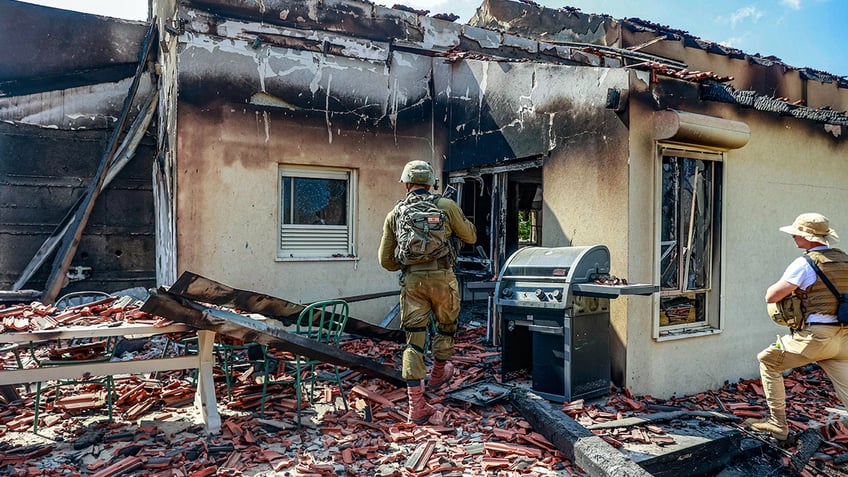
(416, 240)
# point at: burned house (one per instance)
(283, 127)
(64, 83)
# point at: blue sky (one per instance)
(803, 33)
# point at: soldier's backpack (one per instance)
(420, 230)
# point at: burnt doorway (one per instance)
(505, 204)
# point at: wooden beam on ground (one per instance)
(662, 416)
(267, 332)
(591, 453)
(198, 288)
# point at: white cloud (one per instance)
(793, 4)
(745, 13)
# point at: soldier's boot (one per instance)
(419, 410)
(775, 425)
(441, 374)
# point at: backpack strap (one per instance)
(824, 278)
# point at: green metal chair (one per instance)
(108, 351)
(236, 355)
(322, 321)
(229, 355)
(109, 345)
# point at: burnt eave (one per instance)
(52, 49)
(67, 80)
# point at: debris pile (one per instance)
(371, 438)
(37, 316)
(154, 431)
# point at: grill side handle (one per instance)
(613, 291)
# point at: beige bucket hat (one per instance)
(813, 227)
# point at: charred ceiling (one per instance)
(303, 83)
(354, 62)
(88, 49)
(499, 112)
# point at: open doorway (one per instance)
(505, 204)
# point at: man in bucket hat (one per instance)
(821, 338)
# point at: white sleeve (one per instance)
(800, 273)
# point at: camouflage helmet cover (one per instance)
(418, 172)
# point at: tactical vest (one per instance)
(833, 263)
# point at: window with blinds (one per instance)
(316, 213)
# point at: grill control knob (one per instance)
(507, 292)
(540, 294)
(557, 295)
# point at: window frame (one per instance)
(712, 290)
(323, 251)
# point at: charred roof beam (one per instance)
(624, 54)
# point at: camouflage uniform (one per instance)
(427, 288)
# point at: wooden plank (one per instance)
(591, 453)
(131, 330)
(662, 416)
(267, 332)
(105, 368)
(204, 398)
(198, 288)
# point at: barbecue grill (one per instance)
(554, 310)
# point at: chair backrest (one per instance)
(323, 321)
(80, 298)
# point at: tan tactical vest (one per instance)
(834, 263)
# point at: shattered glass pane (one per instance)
(687, 234)
(669, 235)
(687, 223)
(699, 259)
(311, 201)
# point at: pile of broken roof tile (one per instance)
(154, 431)
(37, 316)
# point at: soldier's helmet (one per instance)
(418, 172)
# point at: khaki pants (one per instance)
(423, 293)
(825, 344)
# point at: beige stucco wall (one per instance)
(228, 195)
(788, 167)
(585, 179)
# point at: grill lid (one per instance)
(573, 264)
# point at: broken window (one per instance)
(316, 207)
(689, 241)
(529, 215)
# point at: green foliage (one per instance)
(523, 227)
